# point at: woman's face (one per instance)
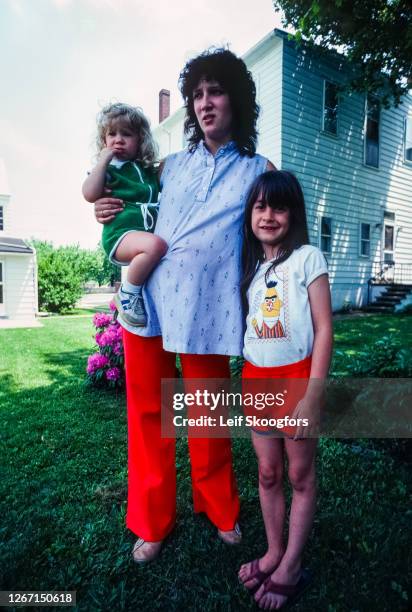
(213, 111)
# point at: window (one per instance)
(388, 236)
(330, 108)
(365, 240)
(326, 234)
(372, 114)
(1, 218)
(408, 138)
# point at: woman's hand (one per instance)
(105, 209)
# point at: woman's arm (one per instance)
(270, 166)
(93, 186)
(321, 310)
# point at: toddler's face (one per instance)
(122, 140)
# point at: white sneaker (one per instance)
(131, 307)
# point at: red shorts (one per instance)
(275, 416)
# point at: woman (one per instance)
(192, 297)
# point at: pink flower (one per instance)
(95, 362)
(113, 374)
(102, 319)
(118, 349)
(107, 338)
(112, 306)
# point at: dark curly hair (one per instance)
(230, 72)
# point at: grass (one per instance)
(63, 489)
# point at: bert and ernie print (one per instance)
(269, 307)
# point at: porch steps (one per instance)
(387, 301)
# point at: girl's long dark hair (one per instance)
(230, 72)
(279, 189)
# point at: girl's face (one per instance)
(122, 140)
(213, 111)
(269, 225)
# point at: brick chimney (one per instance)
(164, 104)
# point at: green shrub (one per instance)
(63, 271)
(60, 280)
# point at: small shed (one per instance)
(18, 268)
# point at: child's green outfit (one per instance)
(139, 189)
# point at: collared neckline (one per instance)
(226, 148)
(118, 163)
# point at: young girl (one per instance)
(126, 166)
(288, 335)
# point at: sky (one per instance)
(62, 60)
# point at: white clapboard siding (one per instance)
(336, 182)
(169, 134)
(20, 285)
(265, 63)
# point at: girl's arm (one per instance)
(321, 310)
(93, 186)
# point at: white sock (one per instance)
(130, 288)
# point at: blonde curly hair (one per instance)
(134, 118)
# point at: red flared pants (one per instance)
(151, 510)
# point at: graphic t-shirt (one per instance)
(279, 329)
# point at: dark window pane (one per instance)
(373, 108)
(331, 95)
(325, 244)
(372, 131)
(326, 226)
(389, 237)
(330, 123)
(330, 108)
(365, 248)
(408, 154)
(365, 231)
(1, 294)
(372, 154)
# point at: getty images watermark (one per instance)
(214, 402)
(345, 408)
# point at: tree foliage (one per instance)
(375, 35)
(63, 271)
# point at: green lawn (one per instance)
(63, 496)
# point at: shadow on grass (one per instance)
(63, 507)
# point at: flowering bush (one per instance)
(105, 367)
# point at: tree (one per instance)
(59, 280)
(375, 35)
(63, 271)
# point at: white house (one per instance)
(353, 157)
(18, 269)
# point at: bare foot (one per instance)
(253, 573)
(283, 576)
